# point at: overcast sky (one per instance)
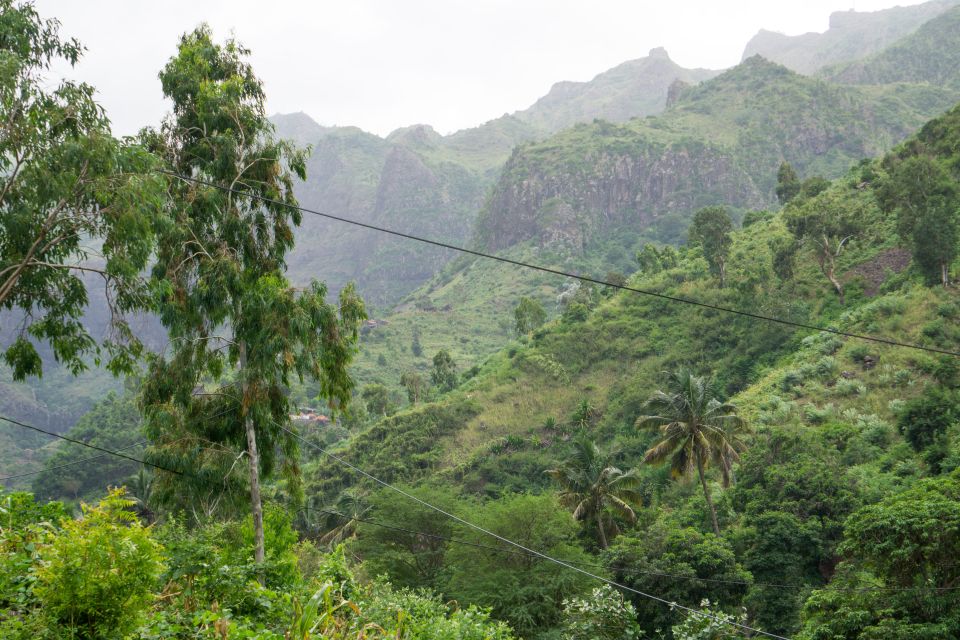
(382, 64)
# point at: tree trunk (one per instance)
(256, 505)
(706, 494)
(603, 534)
(944, 273)
(722, 267)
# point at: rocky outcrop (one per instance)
(608, 190)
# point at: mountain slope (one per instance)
(929, 55)
(720, 143)
(851, 35)
(633, 89)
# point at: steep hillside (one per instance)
(721, 142)
(423, 182)
(831, 426)
(929, 55)
(851, 35)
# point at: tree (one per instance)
(592, 487)
(415, 347)
(826, 223)
(927, 204)
(75, 203)
(377, 399)
(788, 183)
(444, 372)
(528, 315)
(899, 572)
(680, 564)
(711, 232)
(696, 430)
(219, 283)
(415, 384)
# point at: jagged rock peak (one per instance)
(658, 53)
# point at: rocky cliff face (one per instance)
(719, 143)
(610, 189)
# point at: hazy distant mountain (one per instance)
(421, 182)
(634, 88)
(852, 35)
(931, 54)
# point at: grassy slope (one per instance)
(615, 358)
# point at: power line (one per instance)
(88, 445)
(524, 548)
(622, 570)
(71, 464)
(566, 274)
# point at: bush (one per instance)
(97, 575)
(603, 616)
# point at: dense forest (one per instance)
(703, 384)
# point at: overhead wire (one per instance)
(566, 274)
(88, 445)
(74, 463)
(533, 552)
(616, 569)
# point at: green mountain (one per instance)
(929, 55)
(425, 183)
(851, 35)
(720, 142)
(830, 426)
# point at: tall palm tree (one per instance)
(591, 486)
(696, 430)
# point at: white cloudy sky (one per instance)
(381, 64)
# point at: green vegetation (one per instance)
(60, 164)
(824, 503)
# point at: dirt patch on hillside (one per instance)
(875, 271)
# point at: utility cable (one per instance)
(88, 445)
(622, 570)
(566, 274)
(533, 552)
(75, 462)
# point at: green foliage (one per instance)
(696, 430)
(890, 544)
(925, 419)
(678, 564)
(528, 315)
(927, 204)
(376, 397)
(788, 183)
(603, 615)
(595, 490)
(526, 592)
(444, 372)
(97, 576)
(416, 386)
(60, 164)
(709, 624)
(114, 424)
(710, 230)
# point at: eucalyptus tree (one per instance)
(239, 331)
(74, 202)
(593, 487)
(696, 429)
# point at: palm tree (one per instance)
(592, 487)
(696, 429)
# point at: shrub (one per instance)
(603, 616)
(97, 575)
